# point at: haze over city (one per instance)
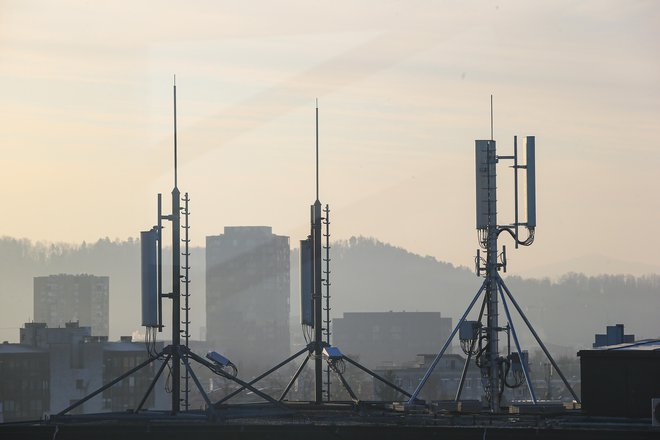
(403, 91)
(395, 306)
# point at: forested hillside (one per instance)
(366, 275)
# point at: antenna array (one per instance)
(478, 339)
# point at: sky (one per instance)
(403, 90)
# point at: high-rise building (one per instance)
(63, 298)
(247, 295)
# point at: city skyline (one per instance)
(403, 92)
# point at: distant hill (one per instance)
(367, 275)
(21, 260)
(593, 265)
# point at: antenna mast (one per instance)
(318, 280)
(317, 148)
(175, 217)
(175, 136)
(478, 339)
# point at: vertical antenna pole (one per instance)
(491, 117)
(317, 148)
(492, 366)
(160, 262)
(176, 283)
(318, 302)
(515, 184)
(175, 136)
(318, 280)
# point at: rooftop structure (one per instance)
(54, 367)
(620, 380)
(614, 335)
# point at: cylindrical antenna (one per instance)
(175, 155)
(317, 148)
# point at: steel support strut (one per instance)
(414, 395)
(541, 344)
(523, 364)
(469, 356)
(295, 376)
(109, 384)
(261, 376)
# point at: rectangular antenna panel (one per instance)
(149, 278)
(306, 283)
(530, 148)
(485, 161)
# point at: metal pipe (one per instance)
(293, 379)
(541, 344)
(160, 262)
(153, 383)
(467, 361)
(413, 397)
(376, 376)
(109, 384)
(515, 185)
(226, 375)
(523, 364)
(258, 378)
(492, 327)
(176, 300)
(318, 302)
(347, 386)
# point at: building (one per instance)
(389, 338)
(119, 357)
(614, 335)
(24, 382)
(63, 298)
(445, 379)
(441, 385)
(620, 380)
(247, 296)
(53, 368)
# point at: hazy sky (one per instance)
(404, 91)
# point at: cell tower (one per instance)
(313, 278)
(480, 339)
(176, 354)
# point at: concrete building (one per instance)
(247, 296)
(63, 298)
(441, 385)
(445, 379)
(53, 368)
(24, 382)
(389, 338)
